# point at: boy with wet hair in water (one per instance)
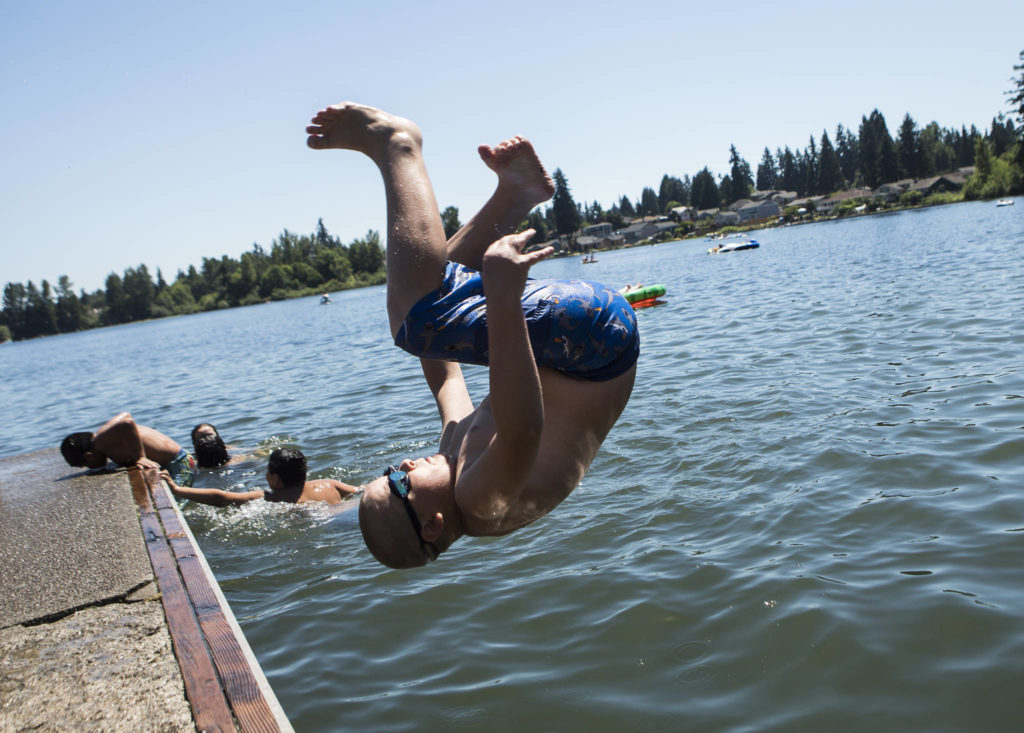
(286, 476)
(561, 354)
(126, 443)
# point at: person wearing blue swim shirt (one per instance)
(561, 354)
(126, 443)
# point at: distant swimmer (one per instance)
(127, 443)
(561, 353)
(286, 477)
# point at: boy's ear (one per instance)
(433, 528)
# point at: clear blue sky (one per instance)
(160, 133)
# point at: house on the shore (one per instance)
(807, 203)
(727, 218)
(650, 226)
(758, 210)
(945, 183)
(827, 204)
(682, 213)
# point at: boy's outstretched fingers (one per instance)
(538, 254)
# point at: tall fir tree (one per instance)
(704, 191)
(846, 149)
(830, 173)
(767, 174)
(739, 174)
(567, 214)
(908, 148)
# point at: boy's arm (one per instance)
(343, 488)
(449, 389)
(213, 497)
(517, 404)
(119, 440)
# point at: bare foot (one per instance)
(368, 130)
(519, 170)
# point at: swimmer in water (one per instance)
(561, 354)
(127, 443)
(286, 477)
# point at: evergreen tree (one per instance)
(739, 175)
(878, 157)
(830, 173)
(846, 149)
(767, 175)
(672, 189)
(536, 221)
(40, 318)
(626, 207)
(69, 307)
(1016, 96)
(450, 221)
(15, 305)
(649, 202)
(138, 293)
(322, 236)
(116, 310)
(704, 191)
(1002, 135)
(937, 156)
(908, 148)
(567, 215)
(810, 165)
(790, 171)
(725, 194)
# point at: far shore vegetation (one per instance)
(990, 165)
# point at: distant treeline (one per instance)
(868, 158)
(295, 265)
(301, 265)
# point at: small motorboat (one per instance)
(734, 247)
(1004, 202)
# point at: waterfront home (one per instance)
(758, 210)
(604, 229)
(827, 204)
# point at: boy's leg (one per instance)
(522, 184)
(416, 251)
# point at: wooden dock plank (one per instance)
(245, 693)
(210, 709)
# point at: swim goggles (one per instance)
(398, 483)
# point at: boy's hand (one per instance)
(147, 463)
(505, 267)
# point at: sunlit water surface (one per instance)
(810, 516)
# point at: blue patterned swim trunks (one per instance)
(583, 329)
(183, 468)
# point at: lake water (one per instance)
(810, 516)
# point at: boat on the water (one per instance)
(1004, 202)
(589, 258)
(734, 246)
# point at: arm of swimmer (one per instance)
(341, 487)
(516, 400)
(449, 389)
(118, 439)
(213, 497)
